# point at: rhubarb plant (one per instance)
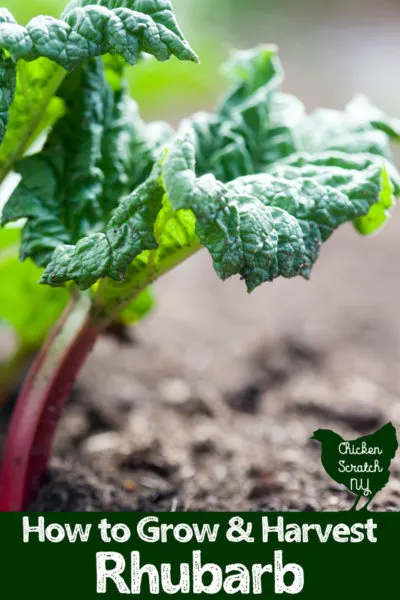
(110, 203)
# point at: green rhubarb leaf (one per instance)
(266, 214)
(61, 187)
(91, 28)
(30, 309)
(8, 80)
(360, 128)
(361, 110)
(379, 212)
(143, 227)
(269, 225)
(109, 253)
(254, 125)
(371, 183)
(96, 154)
(111, 198)
(7, 90)
(175, 234)
(124, 28)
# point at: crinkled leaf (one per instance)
(143, 227)
(125, 28)
(89, 28)
(61, 188)
(176, 238)
(7, 90)
(256, 74)
(96, 154)
(254, 183)
(363, 111)
(109, 253)
(265, 215)
(29, 308)
(370, 182)
(360, 128)
(269, 225)
(254, 125)
(8, 80)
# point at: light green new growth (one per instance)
(30, 309)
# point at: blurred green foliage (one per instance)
(24, 10)
(31, 309)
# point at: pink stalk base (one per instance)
(39, 407)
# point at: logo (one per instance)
(361, 465)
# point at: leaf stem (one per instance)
(41, 402)
(117, 297)
(50, 380)
(23, 142)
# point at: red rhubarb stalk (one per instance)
(39, 407)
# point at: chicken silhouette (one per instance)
(361, 465)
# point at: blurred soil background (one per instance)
(211, 405)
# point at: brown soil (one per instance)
(212, 404)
